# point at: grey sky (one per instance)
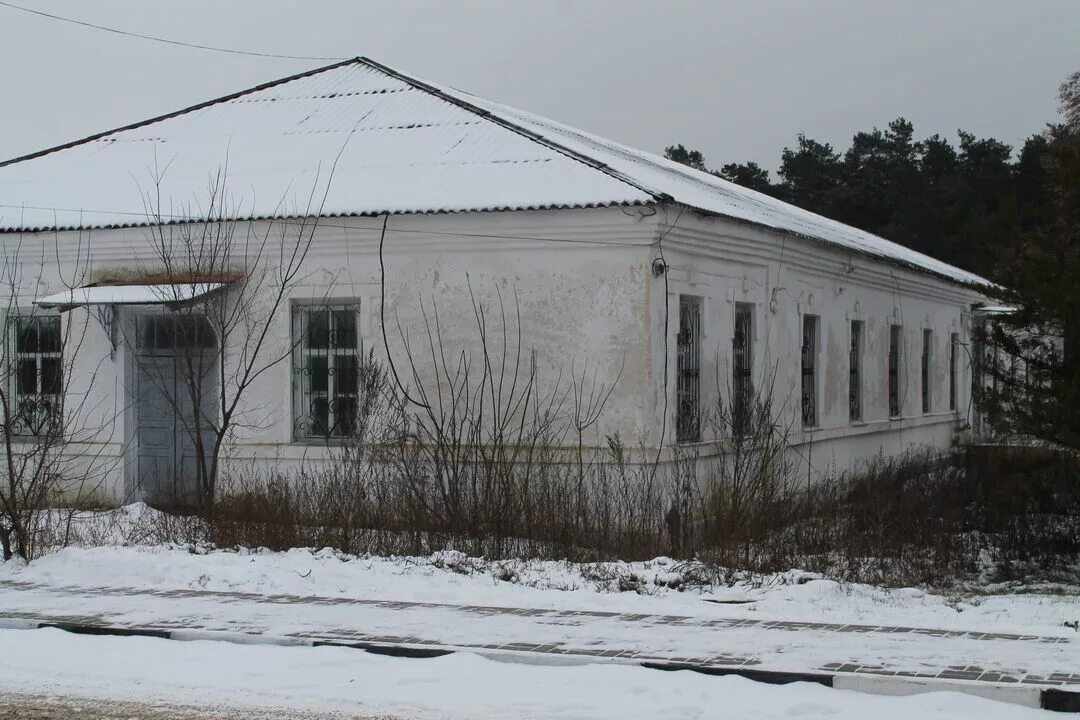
(737, 80)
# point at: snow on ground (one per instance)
(451, 578)
(219, 676)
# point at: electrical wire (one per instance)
(382, 318)
(167, 41)
(667, 322)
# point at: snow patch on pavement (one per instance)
(218, 675)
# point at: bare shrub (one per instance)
(489, 461)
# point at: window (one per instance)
(809, 370)
(326, 369)
(926, 379)
(855, 372)
(688, 379)
(954, 345)
(171, 332)
(894, 370)
(36, 374)
(742, 347)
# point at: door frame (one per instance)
(138, 350)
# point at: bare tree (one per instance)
(228, 285)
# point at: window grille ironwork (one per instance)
(894, 370)
(954, 346)
(809, 371)
(688, 368)
(927, 344)
(855, 372)
(37, 375)
(326, 367)
(742, 367)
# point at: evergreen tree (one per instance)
(965, 204)
(749, 175)
(690, 158)
(1035, 391)
(810, 175)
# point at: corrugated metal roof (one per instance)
(393, 144)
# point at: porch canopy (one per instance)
(129, 295)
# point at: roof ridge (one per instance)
(503, 122)
(182, 111)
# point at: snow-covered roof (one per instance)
(358, 138)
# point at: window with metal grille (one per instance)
(954, 346)
(326, 367)
(688, 368)
(927, 346)
(36, 375)
(809, 370)
(742, 348)
(855, 372)
(894, 370)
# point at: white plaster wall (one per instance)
(580, 278)
(724, 262)
(586, 292)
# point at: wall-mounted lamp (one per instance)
(659, 267)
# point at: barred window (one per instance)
(855, 372)
(326, 361)
(809, 371)
(742, 367)
(688, 378)
(954, 343)
(36, 375)
(894, 370)
(927, 346)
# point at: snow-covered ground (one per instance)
(452, 578)
(129, 584)
(240, 680)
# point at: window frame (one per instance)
(894, 370)
(856, 330)
(14, 358)
(300, 398)
(688, 369)
(742, 374)
(809, 365)
(926, 374)
(954, 344)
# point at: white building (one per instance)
(672, 281)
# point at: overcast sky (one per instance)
(736, 79)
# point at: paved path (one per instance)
(569, 635)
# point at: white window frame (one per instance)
(303, 422)
(15, 358)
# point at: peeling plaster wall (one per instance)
(725, 262)
(590, 308)
(580, 279)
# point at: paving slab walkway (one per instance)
(557, 635)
